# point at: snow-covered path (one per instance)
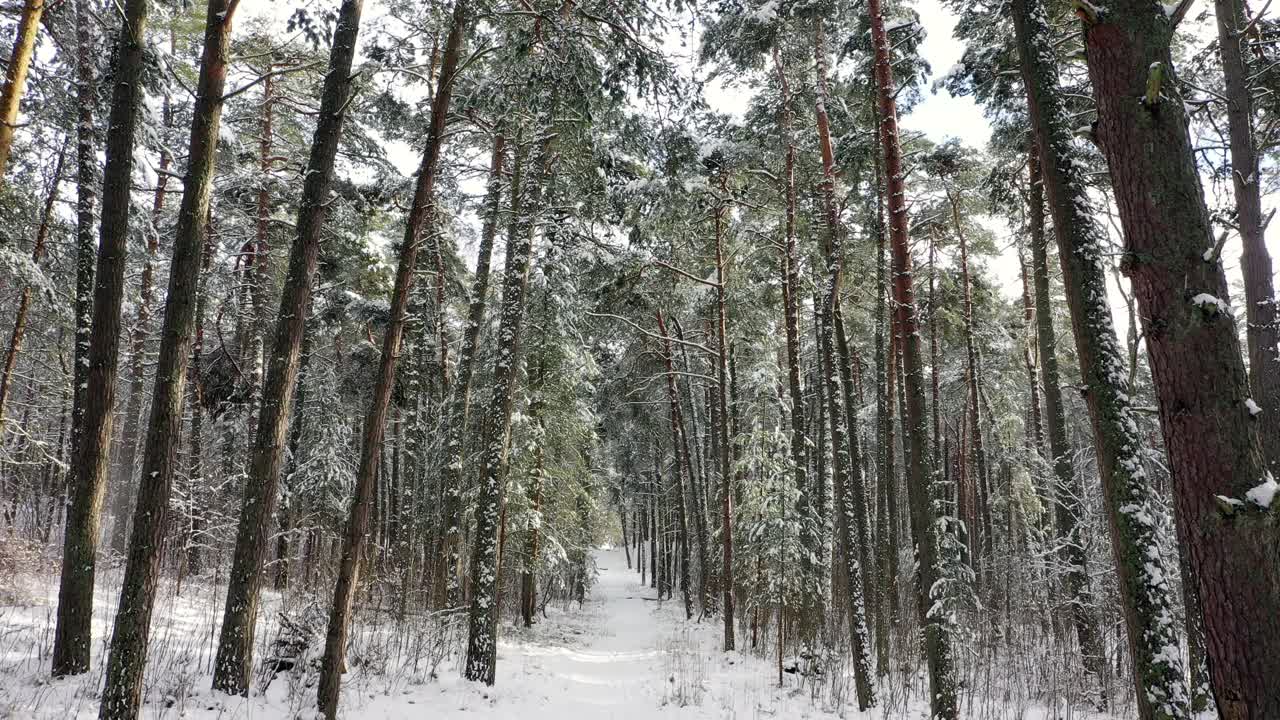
(603, 661)
(624, 656)
(611, 653)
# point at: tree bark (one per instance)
(936, 629)
(123, 495)
(1210, 431)
(722, 410)
(258, 273)
(528, 572)
(886, 398)
(91, 424)
(122, 694)
(1146, 598)
(1069, 494)
(1034, 435)
(482, 641)
(697, 479)
(450, 541)
(845, 459)
(288, 510)
(974, 386)
(1261, 315)
(15, 76)
(194, 556)
(233, 664)
(790, 286)
(680, 449)
(86, 195)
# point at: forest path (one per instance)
(610, 660)
(604, 660)
(622, 656)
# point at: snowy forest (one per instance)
(639, 358)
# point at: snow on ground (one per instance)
(622, 656)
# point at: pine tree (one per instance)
(235, 646)
(1069, 493)
(420, 219)
(91, 422)
(482, 616)
(1210, 429)
(122, 695)
(846, 462)
(450, 541)
(123, 494)
(1261, 316)
(935, 627)
(1145, 596)
(15, 76)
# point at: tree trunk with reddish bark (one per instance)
(936, 628)
(1211, 431)
(1262, 315)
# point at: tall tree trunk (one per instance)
(1210, 431)
(855, 495)
(680, 449)
(288, 510)
(234, 661)
(936, 628)
(1069, 494)
(123, 494)
(935, 359)
(697, 478)
(886, 468)
(974, 383)
(91, 425)
(24, 300)
(1261, 314)
(421, 217)
(194, 552)
(482, 641)
(86, 195)
(528, 572)
(449, 584)
(1033, 436)
(654, 581)
(258, 276)
(790, 288)
(722, 413)
(1148, 603)
(1193, 622)
(15, 76)
(844, 468)
(122, 694)
(626, 542)
(846, 460)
